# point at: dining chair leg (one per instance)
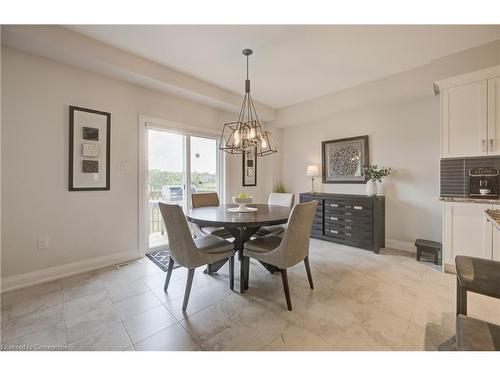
(231, 272)
(189, 282)
(461, 299)
(284, 278)
(169, 273)
(308, 271)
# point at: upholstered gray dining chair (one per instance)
(207, 200)
(277, 199)
(288, 251)
(191, 253)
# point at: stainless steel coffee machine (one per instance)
(483, 182)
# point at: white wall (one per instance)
(268, 172)
(401, 116)
(403, 135)
(36, 93)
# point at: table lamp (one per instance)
(312, 171)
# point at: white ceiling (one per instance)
(291, 64)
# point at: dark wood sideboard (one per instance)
(353, 220)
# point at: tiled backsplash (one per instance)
(454, 173)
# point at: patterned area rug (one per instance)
(160, 258)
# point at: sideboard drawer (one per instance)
(349, 219)
(361, 239)
(348, 205)
(348, 211)
(358, 225)
(337, 217)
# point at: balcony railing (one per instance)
(156, 224)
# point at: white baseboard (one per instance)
(57, 272)
(400, 245)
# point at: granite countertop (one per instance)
(494, 216)
(470, 200)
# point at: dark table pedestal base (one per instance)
(241, 235)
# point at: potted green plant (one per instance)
(375, 174)
(280, 188)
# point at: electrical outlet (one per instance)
(43, 243)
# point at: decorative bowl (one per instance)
(242, 205)
(242, 200)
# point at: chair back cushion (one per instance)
(204, 199)
(180, 242)
(281, 199)
(295, 244)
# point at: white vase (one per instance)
(371, 188)
(380, 188)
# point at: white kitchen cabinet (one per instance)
(464, 232)
(487, 236)
(496, 244)
(470, 114)
(494, 116)
(464, 120)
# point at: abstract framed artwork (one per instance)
(89, 149)
(344, 160)
(250, 168)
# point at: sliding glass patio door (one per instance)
(177, 161)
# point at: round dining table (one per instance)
(242, 226)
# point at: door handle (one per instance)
(483, 145)
(333, 231)
(358, 207)
(491, 148)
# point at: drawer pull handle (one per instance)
(348, 220)
(348, 234)
(333, 231)
(358, 207)
(333, 218)
(347, 227)
(333, 205)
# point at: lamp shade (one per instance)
(312, 171)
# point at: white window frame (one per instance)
(148, 122)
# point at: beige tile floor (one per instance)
(362, 301)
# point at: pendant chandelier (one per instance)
(246, 136)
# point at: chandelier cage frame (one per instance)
(245, 135)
